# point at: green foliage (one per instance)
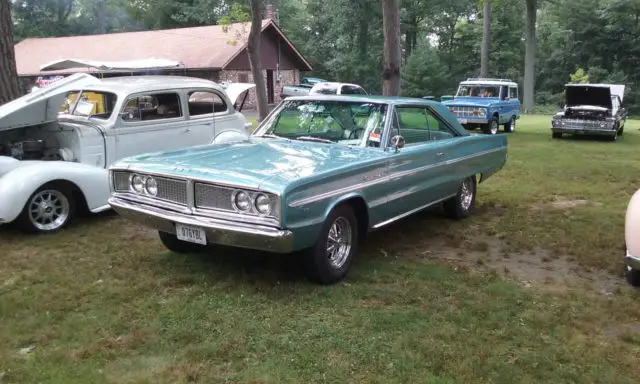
(579, 77)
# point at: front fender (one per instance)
(632, 225)
(17, 185)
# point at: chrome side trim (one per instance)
(390, 177)
(411, 212)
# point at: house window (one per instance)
(152, 107)
(243, 77)
(205, 103)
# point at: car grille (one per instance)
(121, 181)
(464, 111)
(209, 196)
(583, 124)
(172, 190)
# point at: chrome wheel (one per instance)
(494, 127)
(339, 242)
(48, 210)
(466, 194)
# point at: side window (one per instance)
(412, 125)
(155, 106)
(513, 92)
(351, 90)
(205, 103)
(438, 130)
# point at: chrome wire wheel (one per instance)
(48, 210)
(339, 241)
(466, 194)
(494, 127)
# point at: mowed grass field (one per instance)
(528, 289)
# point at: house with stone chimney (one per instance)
(215, 52)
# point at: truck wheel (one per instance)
(632, 276)
(329, 260)
(510, 127)
(492, 127)
(172, 243)
(49, 209)
(461, 205)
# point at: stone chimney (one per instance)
(270, 13)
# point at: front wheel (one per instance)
(172, 243)
(49, 209)
(491, 128)
(462, 204)
(556, 135)
(632, 276)
(329, 260)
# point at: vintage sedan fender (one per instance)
(632, 240)
(18, 184)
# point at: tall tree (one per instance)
(8, 74)
(530, 56)
(486, 39)
(253, 49)
(392, 54)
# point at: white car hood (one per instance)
(234, 90)
(42, 105)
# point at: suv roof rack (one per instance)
(488, 78)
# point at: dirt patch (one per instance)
(531, 268)
(563, 204)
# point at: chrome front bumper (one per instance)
(224, 232)
(632, 261)
(585, 130)
(464, 120)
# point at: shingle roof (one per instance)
(196, 47)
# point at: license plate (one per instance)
(191, 234)
(462, 121)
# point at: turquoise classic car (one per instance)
(317, 175)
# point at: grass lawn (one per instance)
(526, 290)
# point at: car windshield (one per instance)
(479, 90)
(92, 104)
(346, 122)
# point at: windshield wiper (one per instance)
(315, 139)
(272, 136)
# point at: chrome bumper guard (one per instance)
(218, 231)
(632, 261)
(464, 120)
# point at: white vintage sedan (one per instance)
(632, 240)
(56, 143)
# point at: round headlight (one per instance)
(263, 204)
(137, 184)
(242, 201)
(151, 186)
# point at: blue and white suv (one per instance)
(486, 104)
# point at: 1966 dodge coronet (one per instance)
(316, 176)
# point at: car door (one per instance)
(149, 122)
(416, 171)
(203, 105)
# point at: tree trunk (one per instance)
(486, 39)
(253, 49)
(8, 75)
(528, 99)
(100, 13)
(391, 52)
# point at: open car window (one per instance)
(479, 90)
(345, 122)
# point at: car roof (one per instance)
(489, 82)
(336, 83)
(132, 84)
(366, 99)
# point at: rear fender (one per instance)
(17, 185)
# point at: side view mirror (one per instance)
(397, 142)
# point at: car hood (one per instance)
(471, 101)
(254, 162)
(598, 95)
(234, 90)
(42, 105)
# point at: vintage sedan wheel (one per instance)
(632, 276)
(510, 127)
(462, 204)
(329, 260)
(492, 127)
(49, 209)
(171, 242)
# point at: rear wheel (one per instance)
(632, 276)
(462, 204)
(172, 243)
(329, 260)
(510, 127)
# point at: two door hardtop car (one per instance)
(591, 109)
(317, 175)
(632, 240)
(57, 142)
(487, 104)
